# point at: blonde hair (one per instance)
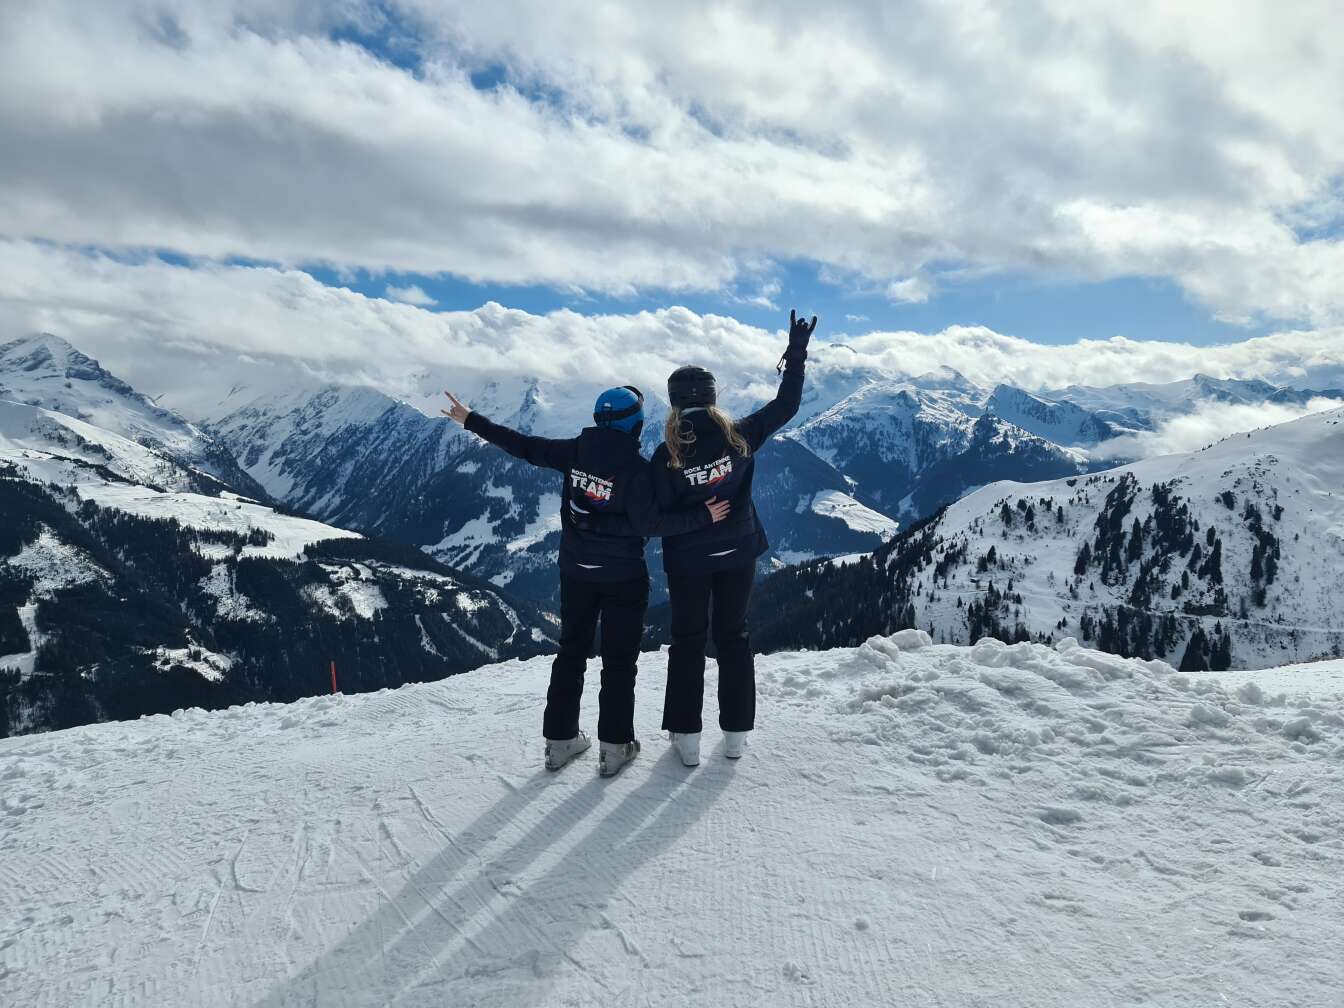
(678, 438)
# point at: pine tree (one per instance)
(1221, 659)
(1135, 550)
(1196, 658)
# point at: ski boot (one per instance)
(687, 745)
(561, 751)
(733, 741)
(611, 756)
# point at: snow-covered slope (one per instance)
(910, 825)
(322, 449)
(114, 472)
(46, 372)
(1244, 539)
(1320, 677)
(33, 433)
(117, 599)
(1062, 423)
(132, 582)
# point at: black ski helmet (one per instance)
(691, 386)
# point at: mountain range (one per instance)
(1227, 557)
(866, 453)
(135, 578)
(151, 561)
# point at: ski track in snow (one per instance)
(911, 824)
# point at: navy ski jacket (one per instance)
(604, 476)
(712, 469)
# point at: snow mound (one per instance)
(911, 824)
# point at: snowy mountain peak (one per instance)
(945, 378)
(47, 372)
(1232, 389)
(44, 357)
(1064, 423)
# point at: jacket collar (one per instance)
(612, 440)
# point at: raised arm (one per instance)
(548, 453)
(759, 426)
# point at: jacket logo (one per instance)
(711, 474)
(595, 489)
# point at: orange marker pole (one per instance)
(333, 677)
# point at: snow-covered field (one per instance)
(1321, 678)
(833, 504)
(225, 513)
(911, 825)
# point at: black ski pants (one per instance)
(705, 604)
(620, 605)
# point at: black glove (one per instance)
(799, 334)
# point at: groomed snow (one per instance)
(1321, 678)
(226, 513)
(292, 535)
(910, 825)
(834, 504)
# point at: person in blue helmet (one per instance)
(603, 576)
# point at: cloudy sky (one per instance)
(1034, 190)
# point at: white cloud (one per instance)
(765, 295)
(911, 290)
(685, 146)
(196, 332)
(411, 295)
(1208, 424)
(857, 318)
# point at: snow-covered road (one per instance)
(928, 826)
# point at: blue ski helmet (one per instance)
(621, 408)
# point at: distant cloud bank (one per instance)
(193, 331)
(1208, 424)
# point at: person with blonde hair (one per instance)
(710, 570)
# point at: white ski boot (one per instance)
(733, 741)
(611, 756)
(687, 745)
(561, 751)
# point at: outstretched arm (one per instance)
(759, 426)
(549, 453)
